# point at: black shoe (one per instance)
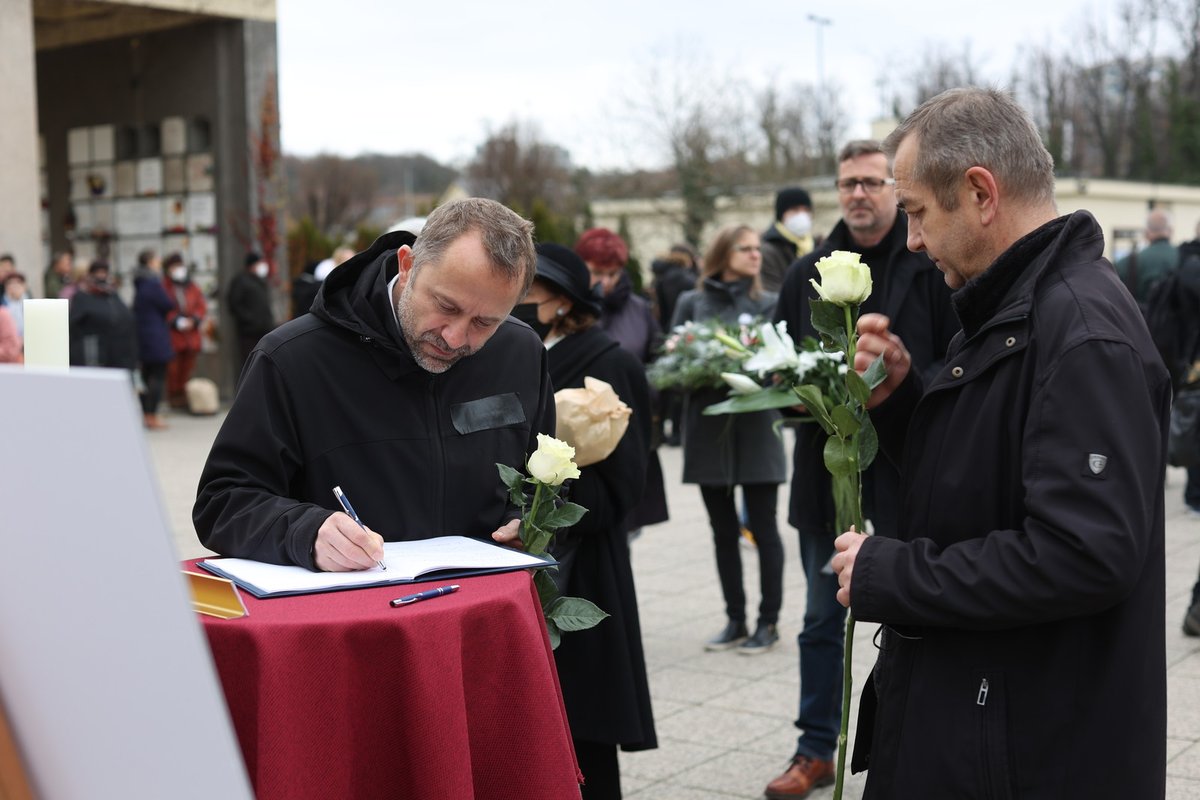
(764, 638)
(734, 633)
(1191, 621)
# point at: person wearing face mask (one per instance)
(789, 238)
(250, 305)
(101, 325)
(602, 670)
(186, 321)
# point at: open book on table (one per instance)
(407, 562)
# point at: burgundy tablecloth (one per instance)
(339, 695)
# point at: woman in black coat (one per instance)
(602, 670)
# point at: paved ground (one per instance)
(725, 720)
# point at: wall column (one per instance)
(20, 193)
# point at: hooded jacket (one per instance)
(1023, 652)
(334, 398)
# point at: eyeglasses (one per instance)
(747, 248)
(869, 185)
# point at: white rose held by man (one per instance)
(552, 463)
(845, 280)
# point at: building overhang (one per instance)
(66, 23)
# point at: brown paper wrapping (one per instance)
(592, 420)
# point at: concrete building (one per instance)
(141, 124)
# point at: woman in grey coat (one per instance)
(723, 452)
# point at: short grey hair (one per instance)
(507, 237)
(862, 147)
(976, 127)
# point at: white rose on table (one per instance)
(845, 280)
(552, 462)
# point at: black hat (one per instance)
(252, 258)
(790, 198)
(560, 266)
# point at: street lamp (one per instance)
(820, 22)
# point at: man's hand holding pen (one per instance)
(343, 546)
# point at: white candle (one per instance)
(47, 338)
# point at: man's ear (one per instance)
(983, 193)
(404, 257)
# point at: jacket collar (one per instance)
(1005, 289)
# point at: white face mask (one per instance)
(179, 274)
(799, 223)
(261, 269)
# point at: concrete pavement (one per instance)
(724, 719)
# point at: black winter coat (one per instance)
(151, 304)
(250, 305)
(603, 670)
(335, 398)
(101, 328)
(1023, 602)
(912, 292)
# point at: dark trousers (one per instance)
(601, 772)
(822, 642)
(179, 372)
(154, 376)
(760, 499)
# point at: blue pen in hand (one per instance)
(412, 598)
(349, 509)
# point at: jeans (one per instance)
(1191, 489)
(822, 642)
(760, 501)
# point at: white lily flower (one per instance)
(778, 352)
(740, 383)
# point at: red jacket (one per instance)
(189, 304)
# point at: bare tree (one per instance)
(335, 193)
(699, 122)
(800, 129)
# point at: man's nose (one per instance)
(455, 334)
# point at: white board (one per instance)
(104, 671)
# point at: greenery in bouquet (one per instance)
(543, 513)
(695, 354)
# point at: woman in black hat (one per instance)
(602, 670)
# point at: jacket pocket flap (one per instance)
(486, 413)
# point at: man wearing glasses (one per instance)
(910, 291)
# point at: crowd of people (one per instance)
(1018, 533)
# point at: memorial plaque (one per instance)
(174, 177)
(202, 212)
(102, 143)
(79, 146)
(200, 172)
(174, 136)
(139, 217)
(149, 176)
(126, 179)
(174, 212)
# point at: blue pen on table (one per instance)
(427, 594)
(349, 509)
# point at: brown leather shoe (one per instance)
(802, 776)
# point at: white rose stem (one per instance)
(47, 335)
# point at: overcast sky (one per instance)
(435, 77)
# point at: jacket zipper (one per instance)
(439, 458)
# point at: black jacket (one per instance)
(1023, 602)
(335, 398)
(603, 669)
(910, 290)
(250, 305)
